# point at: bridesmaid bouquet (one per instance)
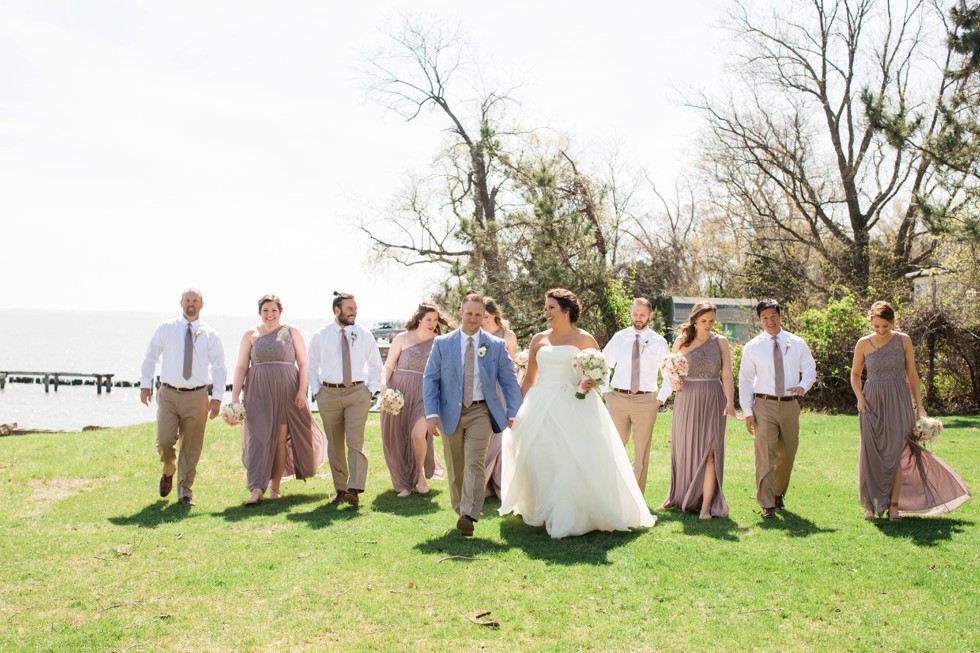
(674, 367)
(590, 364)
(521, 359)
(927, 430)
(392, 402)
(233, 414)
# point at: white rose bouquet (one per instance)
(392, 401)
(233, 414)
(674, 367)
(590, 364)
(927, 430)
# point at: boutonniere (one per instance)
(196, 334)
(353, 337)
(786, 346)
(482, 351)
(643, 347)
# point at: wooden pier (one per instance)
(55, 379)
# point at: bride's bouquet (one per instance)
(590, 364)
(674, 367)
(233, 414)
(392, 401)
(927, 430)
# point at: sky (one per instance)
(150, 146)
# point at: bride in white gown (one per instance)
(564, 465)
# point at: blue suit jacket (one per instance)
(442, 384)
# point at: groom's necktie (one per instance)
(635, 369)
(468, 374)
(188, 352)
(345, 359)
(777, 365)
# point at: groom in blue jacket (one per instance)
(459, 390)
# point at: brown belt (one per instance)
(628, 392)
(173, 387)
(477, 402)
(758, 395)
(341, 385)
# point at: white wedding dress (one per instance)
(564, 465)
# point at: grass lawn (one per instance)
(93, 560)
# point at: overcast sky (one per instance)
(149, 146)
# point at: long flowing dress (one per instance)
(564, 465)
(929, 486)
(396, 430)
(492, 461)
(699, 422)
(271, 386)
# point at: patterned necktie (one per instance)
(345, 358)
(468, 374)
(635, 369)
(188, 353)
(777, 366)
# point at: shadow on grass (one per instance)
(156, 513)
(454, 544)
(414, 504)
(324, 515)
(924, 531)
(794, 525)
(589, 549)
(961, 422)
(719, 528)
(267, 506)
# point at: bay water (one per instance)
(35, 340)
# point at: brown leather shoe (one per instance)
(352, 498)
(779, 503)
(187, 501)
(465, 526)
(768, 513)
(166, 484)
(339, 499)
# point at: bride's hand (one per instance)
(587, 384)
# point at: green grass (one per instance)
(93, 560)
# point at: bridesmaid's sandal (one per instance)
(422, 488)
(255, 498)
(869, 515)
(704, 515)
(893, 512)
(275, 494)
(404, 493)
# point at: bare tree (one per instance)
(453, 216)
(795, 144)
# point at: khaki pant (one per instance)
(466, 452)
(344, 412)
(181, 417)
(777, 437)
(640, 413)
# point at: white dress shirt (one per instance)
(756, 373)
(325, 363)
(653, 349)
(463, 343)
(168, 341)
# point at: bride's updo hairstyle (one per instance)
(690, 328)
(269, 298)
(883, 310)
(424, 308)
(568, 302)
